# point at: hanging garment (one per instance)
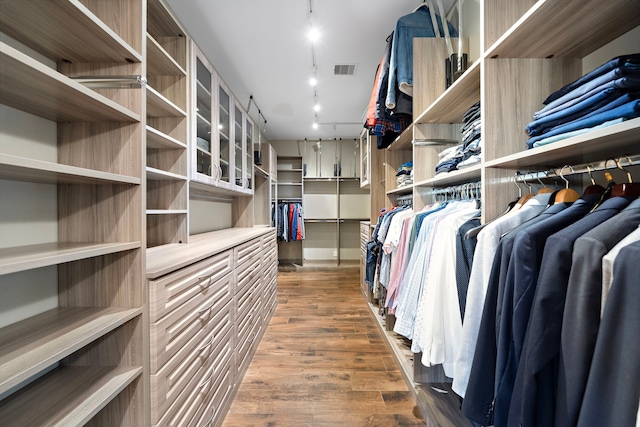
(613, 387)
(465, 249)
(581, 317)
(608, 261)
(533, 398)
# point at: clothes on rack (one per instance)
(610, 92)
(290, 225)
(390, 109)
(540, 329)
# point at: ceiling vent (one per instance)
(344, 70)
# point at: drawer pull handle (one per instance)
(207, 276)
(213, 414)
(207, 344)
(204, 310)
(207, 381)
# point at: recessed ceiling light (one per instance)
(316, 107)
(314, 35)
(314, 125)
(313, 81)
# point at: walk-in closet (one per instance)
(319, 213)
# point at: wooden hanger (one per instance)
(566, 195)
(523, 198)
(593, 188)
(543, 189)
(627, 189)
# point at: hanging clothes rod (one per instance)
(468, 190)
(579, 169)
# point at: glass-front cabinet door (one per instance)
(204, 153)
(248, 150)
(224, 135)
(238, 146)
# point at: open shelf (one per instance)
(159, 106)
(160, 175)
(159, 62)
(23, 169)
(22, 258)
(60, 29)
(402, 190)
(30, 86)
(612, 141)
(166, 211)
(452, 178)
(456, 100)
(404, 141)
(68, 396)
(157, 139)
(567, 29)
(33, 344)
(159, 21)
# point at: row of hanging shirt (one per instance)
(515, 359)
(290, 221)
(390, 108)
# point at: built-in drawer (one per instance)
(173, 290)
(244, 352)
(248, 250)
(191, 362)
(172, 332)
(184, 407)
(212, 413)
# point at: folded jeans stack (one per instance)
(603, 97)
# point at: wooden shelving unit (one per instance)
(530, 50)
(82, 361)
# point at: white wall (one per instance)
(207, 216)
(626, 44)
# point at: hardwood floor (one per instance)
(322, 361)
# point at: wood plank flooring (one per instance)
(322, 361)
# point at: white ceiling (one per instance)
(260, 48)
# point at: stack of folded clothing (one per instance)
(603, 97)
(404, 176)
(466, 154)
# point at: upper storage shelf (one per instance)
(61, 29)
(30, 86)
(160, 62)
(561, 29)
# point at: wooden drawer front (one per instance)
(248, 275)
(248, 250)
(245, 349)
(173, 290)
(214, 410)
(271, 260)
(190, 363)
(171, 333)
(194, 398)
(247, 316)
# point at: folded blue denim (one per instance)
(624, 71)
(630, 83)
(629, 110)
(566, 135)
(602, 69)
(603, 101)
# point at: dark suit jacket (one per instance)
(581, 317)
(533, 398)
(613, 389)
(477, 404)
(520, 285)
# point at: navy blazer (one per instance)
(478, 402)
(533, 398)
(520, 285)
(581, 317)
(613, 389)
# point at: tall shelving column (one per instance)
(88, 348)
(290, 189)
(166, 94)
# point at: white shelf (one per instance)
(452, 178)
(160, 175)
(40, 24)
(157, 139)
(159, 62)
(600, 144)
(30, 170)
(68, 395)
(33, 344)
(30, 86)
(566, 29)
(159, 106)
(402, 190)
(22, 258)
(167, 211)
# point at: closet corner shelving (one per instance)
(530, 50)
(167, 125)
(290, 188)
(81, 361)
